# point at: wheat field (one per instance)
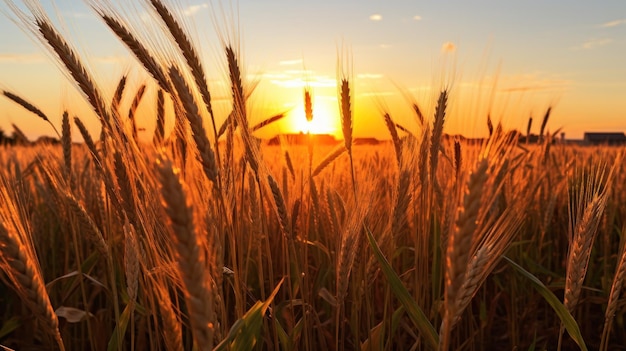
(208, 238)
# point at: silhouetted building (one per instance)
(605, 138)
(366, 141)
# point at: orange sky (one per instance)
(508, 60)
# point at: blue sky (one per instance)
(511, 59)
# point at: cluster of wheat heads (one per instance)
(205, 238)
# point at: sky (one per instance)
(507, 59)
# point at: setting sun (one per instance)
(325, 120)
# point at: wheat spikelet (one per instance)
(350, 241)
(76, 69)
(239, 114)
(87, 224)
(133, 108)
(20, 265)
(458, 158)
(126, 189)
(346, 114)
(118, 94)
(131, 260)
(332, 156)
(172, 333)
(530, 124)
(191, 260)
(30, 107)
(207, 157)
(66, 142)
(580, 250)
(25, 104)
(435, 141)
(471, 281)
(137, 48)
(394, 136)
(544, 122)
(489, 126)
(423, 156)
(87, 139)
(459, 245)
(189, 53)
(292, 171)
(281, 208)
(267, 122)
(308, 105)
(418, 113)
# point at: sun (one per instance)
(324, 120)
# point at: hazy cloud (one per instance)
(376, 17)
(193, 9)
(417, 17)
(21, 58)
(290, 62)
(448, 47)
(384, 46)
(593, 43)
(299, 79)
(533, 82)
(613, 23)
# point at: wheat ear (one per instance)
(23, 269)
(332, 156)
(459, 246)
(189, 53)
(391, 127)
(30, 107)
(437, 132)
(137, 48)
(66, 142)
(191, 258)
(76, 69)
(207, 157)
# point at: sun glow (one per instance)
(324, 121)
